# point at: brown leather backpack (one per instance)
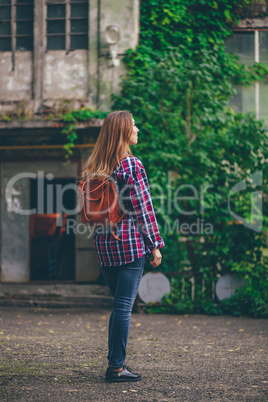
(99, 202)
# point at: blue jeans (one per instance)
(123, 282)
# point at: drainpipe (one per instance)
(13, 32)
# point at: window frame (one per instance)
(256, 60)
(13, 25)
(68, 19)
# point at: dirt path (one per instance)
(60, 355)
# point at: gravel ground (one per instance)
(60, 355)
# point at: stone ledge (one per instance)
(252, 23)
(47, 124)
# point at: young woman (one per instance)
(122, 257)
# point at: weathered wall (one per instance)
(65, 75)
(42, 77)
(16, 85)
(14, 229)
(125, 14)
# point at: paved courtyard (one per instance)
(60, 355)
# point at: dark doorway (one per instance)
(52, 247)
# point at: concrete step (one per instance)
(55, 295)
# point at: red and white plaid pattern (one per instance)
(138, 230)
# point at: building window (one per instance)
(251, 46)
(67, 24)
(16, 25)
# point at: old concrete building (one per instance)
(57, 55)
(54, 55)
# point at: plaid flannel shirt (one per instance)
(138, 230)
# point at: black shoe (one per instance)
(121, 376)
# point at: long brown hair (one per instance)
(111, 145)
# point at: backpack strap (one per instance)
(114, 225)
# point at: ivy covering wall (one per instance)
(178, 87)
(195, 146)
